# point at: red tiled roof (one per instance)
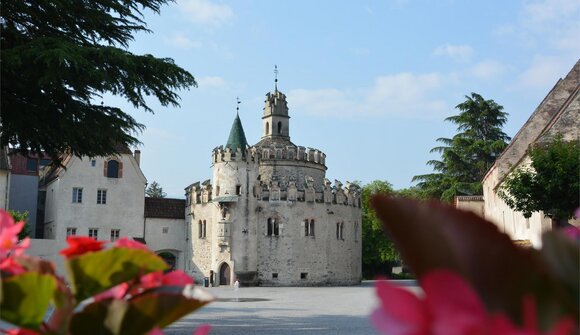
(164, 208)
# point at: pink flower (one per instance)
(20, 331)
(115, 292)
(9, 235)
(79, 245)
(157, 279)
(450, 307)
(9, 265)
(125, 242)
(202, 330)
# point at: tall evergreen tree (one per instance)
(60, 56)
(470, 153)
(155, 191)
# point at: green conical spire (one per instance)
(237, 137)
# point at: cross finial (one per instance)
(276, 78)
(238, 105)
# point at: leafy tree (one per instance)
(467, 156)
(550, 184)
(60, 57)
(378, 252)
(21, 216)
(155, 191)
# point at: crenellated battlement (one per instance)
(286, 191)
(268, 153)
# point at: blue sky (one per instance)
(368, 82)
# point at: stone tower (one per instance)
(269, 216)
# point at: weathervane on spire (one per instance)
(238, 105)
(276, 78)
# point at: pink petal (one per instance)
(453, 304)
(177, 278)
(125, 242)
(156, 331)
(202, 330)
(401, 312)
(115, 292)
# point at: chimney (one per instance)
(138, 157)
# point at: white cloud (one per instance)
(404, 94)
(542, 73)
(487, 69)
(181, 41)
(460, 53)
(210, 82)
(206, 12)
(546, 23)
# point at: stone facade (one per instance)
(557, 114)
(269, 216)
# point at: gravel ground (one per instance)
(286, 310)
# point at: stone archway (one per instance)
(169, 258)
(225, 274)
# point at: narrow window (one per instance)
(267, 128)
(274, 275)
(204, 229)
(276, 228)
(239, 189)
(311, 230)
(44, 162)
(71, 232)
(338, 230)
(101, 197)
(93, 162)
(303, 275)
(341, 230)
(77, 196)
(115, 234)
(217, 190)
(112, 169)
(31, 164)
(279, 127)
(94, 233)
(269, 227)
(165, 230)
(200, 229)
(306, 230)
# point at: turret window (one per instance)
(272, 227)
(267, 128)
(279, 127)
(201, 229)
(339, 230)
(309, 227)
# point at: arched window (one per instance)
(113, 169)
(279, 127)
(267, 128)
(170, 259)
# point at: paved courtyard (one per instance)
(286, 310)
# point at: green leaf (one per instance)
(166, 305)
(26, 297)
(433, 236)
(155, 308)
(95, 272)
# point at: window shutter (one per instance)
(120, 169)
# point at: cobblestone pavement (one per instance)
(286, 310)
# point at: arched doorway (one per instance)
(225, 274)
(169, 258)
